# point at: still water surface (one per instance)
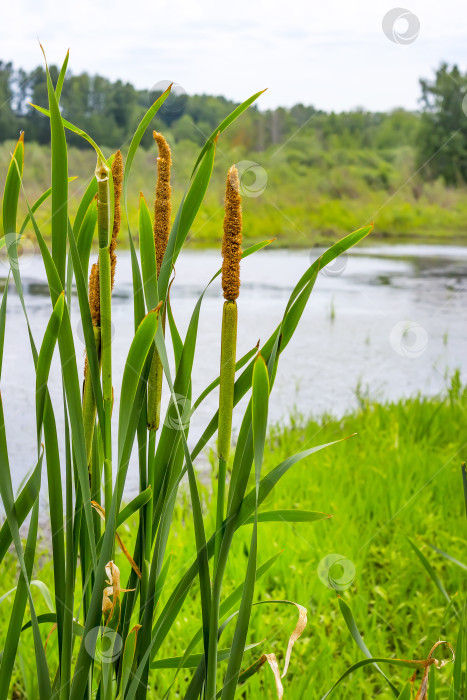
(390, 320)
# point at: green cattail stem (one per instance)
(103, 213)
(103, 203)
(227, 378)
(151, 504)
(226, 398)
(105, 275)
(106, 325)
(154, 392)
(221, 477)
(89, 403)
(231, 254)
(156, 375)
(106, 359)
(96, 465)
(107, 475)
(105, 292)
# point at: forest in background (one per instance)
(308, 175)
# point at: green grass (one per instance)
(298, 206)
(399, 476)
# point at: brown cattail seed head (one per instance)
(163, 200)
(94, 295)
(232, 240)
(117, 176)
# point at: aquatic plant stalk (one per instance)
(232, 253)
(161, 229)
(89, 403)
(162, 216)
(105, 291)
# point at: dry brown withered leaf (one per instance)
(113, 590)
(296, 634)
(272, 661)
(430, 661)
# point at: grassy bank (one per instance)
(311, 195)
(400, 476)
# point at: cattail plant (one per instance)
(162, 215)
(89, 599)
(232, 254)
(161, 231)
(89, 404)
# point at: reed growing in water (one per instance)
(162, 221)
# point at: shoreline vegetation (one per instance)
(408, 468)
(298, 207)
(309, 176)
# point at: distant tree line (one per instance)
(110, 111)
(442, 136)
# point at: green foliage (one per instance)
(110, 111)
(442, 139)
(299, 206)
(370, 160)
(425, 679)
(397, 608)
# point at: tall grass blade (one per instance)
(353, 629)
(259, 409)
(59, 180)
(23, 506)
(224, 124)
(430, 571)
(464, 482)
(45, 359)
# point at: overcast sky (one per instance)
(332, 54)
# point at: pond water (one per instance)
(386, 321)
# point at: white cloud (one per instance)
(331, 54)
